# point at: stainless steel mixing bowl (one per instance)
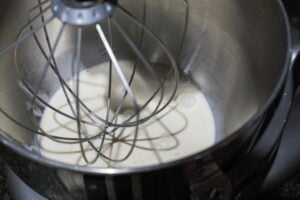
(235, 51)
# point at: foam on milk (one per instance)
(184, 128)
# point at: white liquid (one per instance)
(184, 128)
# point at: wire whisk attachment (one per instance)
(107, 83)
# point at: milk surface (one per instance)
(182, 129)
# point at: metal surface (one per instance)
(82, 13)
(223, 46)
(250, 171)
(287, 161)
(18, 189)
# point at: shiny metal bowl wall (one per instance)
(235, 51)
